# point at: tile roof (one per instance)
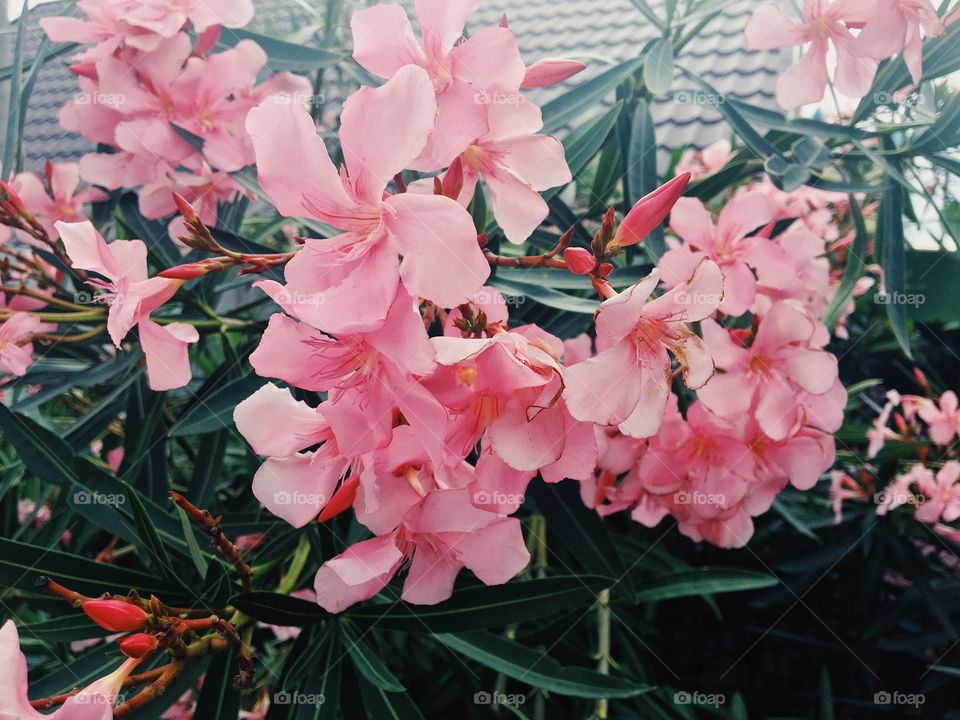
(599, 32)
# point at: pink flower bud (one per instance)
(550, 71)
(580, 261)
(185, 272)
(115, 615)
(650, 211)
(138, 645)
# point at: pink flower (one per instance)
(487, 62)
(942, 494)
(824, 22)
(347, 283)
(705, 162)
(132, 297)
(94, 702)
(725, 243)
(438, 536)
(627, 383)
(894, 26)
(879, 433)
(59, 199)
(768, 378)
(368, 377)
(16, 348)
(943, 420)
(516, 164)
(141, 24)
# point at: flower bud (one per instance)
(580, 261)
(605, 269)
(550, 71)
(342, 498)
(138, 645)
(453, 179)
(650, 211)
(189, 271)
(115, 615)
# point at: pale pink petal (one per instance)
(293, 165)
(229, 13)
(813, 370)
(460, 121)
(383, 129)
(432, 573)
(770, 28)
(538, 160)
(357, 574)
(518, 208)
(277, 425)
(436, 236)
(383, 39)
(855, 73)
(647, 415)
(88, 250)
(690, 220)
(285, 353)
(496, 553)
(489, 60)
(804, 82)
(168, 362)
(606, 388)
(444, 19)
(526, 439)
(297, 487)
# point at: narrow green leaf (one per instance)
(368, 663)
(702, 581)
(585, 142)
(215, 410)
(567, 107)
(196, 554)
(219, 696)
(641, 170)
(283, 55)
(278, 609)
(537, 668)
(893, 244)
(853, 268)
(14, 137)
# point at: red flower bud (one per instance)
(115, 615)
(650, 211)
(550, 71)
(137, 646)
(605, 269)
(185, 208)
(453, 179)
(580, 261)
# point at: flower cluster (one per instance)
(764, 419)
(147, 89)
(860, 33)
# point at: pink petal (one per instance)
(770, 28)
(432, 573)
(297, 487)
(804, 82)
(293, 165)
(441, 259)
(854, 74)
(383, 40)
(444, 19)
(692, 222)
(383, 129)
(168, 362)
(606, 388)
(277, 425)
(489, 60)
(527, 443)
(285, 353)
(357, 574)
(538, 160)
(496, 553)
(647, 415)
(460, 121)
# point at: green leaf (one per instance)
(196, 554)
(278, 609)
(644, 7)
(478, 208)
(64, 628)
(22, 564)
(537, 668)
(567, 107)
(581, 532)
(208, 468)
(148, 533)
(215, 411)
(14, 138)
(387, 706)
(893, 244)
(658, 67)
(283, 55)
(853, 267)
(43, 452)
(545, 296)
(702, 581)
(367, 662)
(481, 607)
(641, 170)
(219, 697)
(582, 144)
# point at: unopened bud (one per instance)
(188, 271)
(453, 179)
(185, 208)
(550, 71)
(115, 615)
(138, 645)
(606, 225)
(342, 499)
(921, 378)
(605, 269)
(579, 261)
(650, 211)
